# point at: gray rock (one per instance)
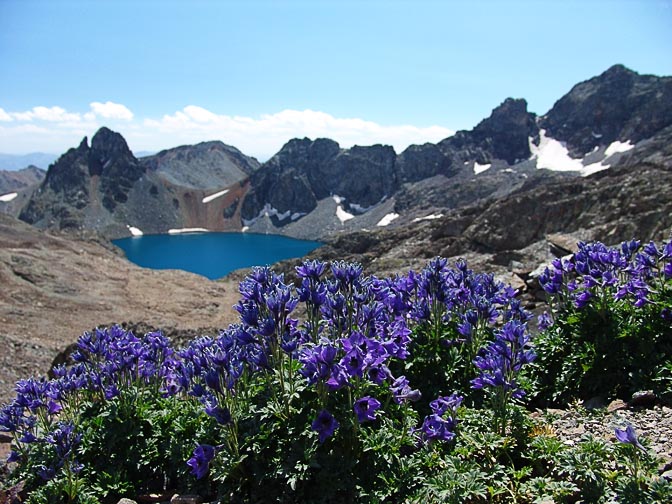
(619, 104)
(643, 399)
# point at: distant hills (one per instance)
(11, 162)
(618, 121)
(11, 181)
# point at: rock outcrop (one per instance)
(618, 105)
(105, 188)
(15, 180)
(315, 189)
(207, 165)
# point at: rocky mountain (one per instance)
(618, 105)
(207, 165)
(104, 187)
(600, 121)
(514, 236)
(15, 180)
(316, 189)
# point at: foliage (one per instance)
(402, 389)
(611, 328)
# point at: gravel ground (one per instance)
(652, 424)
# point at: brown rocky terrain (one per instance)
(19, 179)
(56, 286)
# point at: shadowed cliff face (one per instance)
(86, 181)
(306, 171)
(616, 105)
(314, 188)
(103, 187)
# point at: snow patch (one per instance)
(6, 198)
(385, 221)
(553, 155)
(338, 199)
(428, 217)
(269, 211)
(187, 230)
(216, 195)
(297, 215)
(135, 231)
(245, 228)
(617, 146)
(593, 168)
(509, 170)
(480, 168)
(343, 215)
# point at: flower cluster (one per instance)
(441, 424)
(501, 361)
(106, 362)
(631, 272)
(348, 353)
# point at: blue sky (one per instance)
(256, 73)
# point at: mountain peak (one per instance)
(617, 69)
(617, 105)
(107, 141)
(504, 135)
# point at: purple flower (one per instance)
(402, 391)
(436, 428)
(312, 270)
(222, 415)
(629, 436)
(200, 460)
(441, 405)
(365, 408)
(53, 407)
(503, 358)
(667, 269)
(65, 440)
(544, 321)
(583, 299)
(325, 425)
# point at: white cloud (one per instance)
(111, 110)
(48, 114)
(264, 136)
(55, 129)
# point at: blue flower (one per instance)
(402, 392)
(629, 436)
(365, 408)
(325, 425)
(312, 269)
(436, 428)
(200, 460)
(544, 321)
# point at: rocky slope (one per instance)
(618, 105)
(207, 165)
(104, 187)
(315, 189)
(55, 287)
(588, 130)
(515, 234)
(14, 180)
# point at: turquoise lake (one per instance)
(212, 255)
